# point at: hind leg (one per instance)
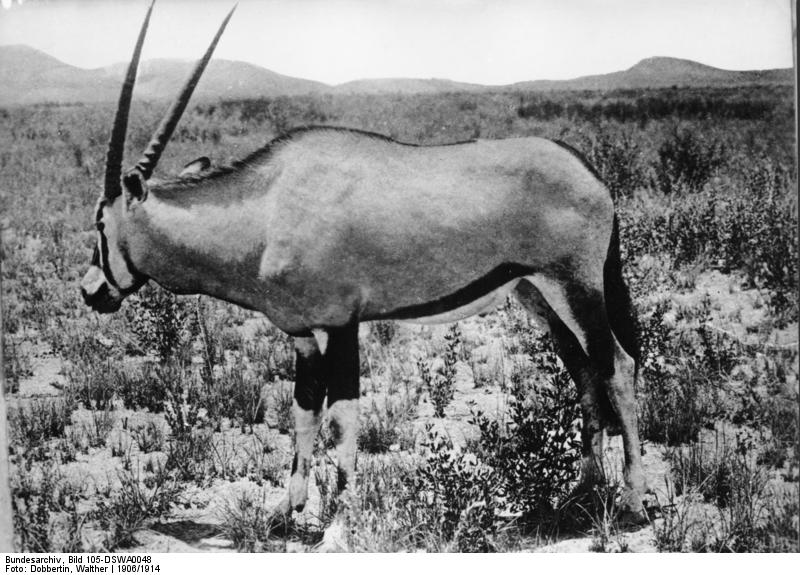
(581, 308)
(586, 381)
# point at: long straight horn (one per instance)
(116, 144)
(150, 158)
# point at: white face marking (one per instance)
(553, 293)
(483, 304)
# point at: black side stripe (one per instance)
(499, 276)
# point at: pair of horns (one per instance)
(116, 144)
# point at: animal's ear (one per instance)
(196, 166)
(134, 187)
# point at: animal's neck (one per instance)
(205, 247)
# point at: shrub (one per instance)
(384, 331)
(618, 162)
(678, 390)
(93, 384)
(40, 421)
(137, 500)
(441, 381)
(144, 388)
(388, 424)
(159, 319)
(460, 493)
(16, 365)
(686, 162)
(45, 509)
(247, 522)
(149, 437)
(245, 403)
(536, 451)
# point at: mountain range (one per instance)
(29, 76)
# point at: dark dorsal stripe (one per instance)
(263, 153)
(580, 157)
(482, 286)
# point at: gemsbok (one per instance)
(324, 228)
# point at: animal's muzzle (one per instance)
(97, 294)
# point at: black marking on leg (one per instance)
(309, 386)
(294, 464)
(341, 479)
(336, 432)
(341, 364)
(578, 366)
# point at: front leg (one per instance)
(309, 394)
(342, 374)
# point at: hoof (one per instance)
(632, 510)
(279, 518)
(334, 540)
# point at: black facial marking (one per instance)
(104, 260)
(100, 257)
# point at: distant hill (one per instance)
(662, 72)
(162, 78)
(29, 76)
(405, 86)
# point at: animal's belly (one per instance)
(481, 305)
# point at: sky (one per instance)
(481, 41)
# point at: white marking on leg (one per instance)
(553, 293)
(306, 426)
(322, 339)
(344, 423)
(305, 346)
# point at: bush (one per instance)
(144, 388)
(686, 162)
(441, 380)
(618, 161)
(247, 522)
(535, 452)
(46, 517)
(160, 320)
(40, 421)
(678, 393)
(387, 425)
(459, 492)
(137, 500)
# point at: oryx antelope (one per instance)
(324, 228)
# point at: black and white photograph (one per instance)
(398, 276)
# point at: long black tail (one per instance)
(619, 306)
